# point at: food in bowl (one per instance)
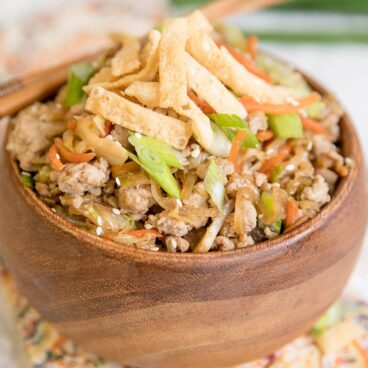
(189, 141)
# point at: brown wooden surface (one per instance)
(182, 310)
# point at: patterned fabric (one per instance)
(342, 342)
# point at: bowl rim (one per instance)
(350, 145)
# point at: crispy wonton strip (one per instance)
(173, 77)
(209, 88)
(113, 152)
(126, 60)
(220, 62)
(148, 73)
(132, 116)
(197, 23)
(102, 76)
(148, 93)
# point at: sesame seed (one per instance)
(138, 135)
(148, 226)
(179, 203)
(58, 156)
(99, 230)
(349, 161)
(290, 167)
(195, 153)
(99, 220)
(293, 101)
(109, 137)
(26, 173)
(309, 145)
(116, 211)
(53, 210)
(276, 185)
(117, 181)
(270, 151)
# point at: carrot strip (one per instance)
(251, 46)
(265, 136)
(291, 212)
(280, 156)
(144, 232)
(53, 155)
(314, 126)
(70, 156)
(342, 170)
(285, 108)
(203, 105)
(247, 63)
(71, 124)
(107, 129)
(235, 148)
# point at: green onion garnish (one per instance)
(79, 75)
(157, 147)
(286, 126)
(267, 202)
(214, 184)
(26, 179)
(276, 227)
(231, 124)
(276, 173)
(157, 168)
(315, 110)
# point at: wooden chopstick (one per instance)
(222, 8)
(23, 90)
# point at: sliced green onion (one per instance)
(286, 126)
(315, 110)
(157, 147)
(276, 173)
(214, 184)
(334, 315)
(26, 179)
(231, 35)
(267, 203)
(79, 75)
(276, 227)
(157, 168)
(231, 124)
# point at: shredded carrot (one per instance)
(280, 156)
(342, 170)
(285, 108)
(314, 126)
(107, 129)
(247, 63)
(203, 105)
(144, 232)
(361, 352)
(56, 163)
(265, 136)
(291, 212)
(70, 156)
(71, 124)
(251, 46)
(235, 148)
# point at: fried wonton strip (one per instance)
(113, 152)
(132, 116)
(126, 60)
(222, 64)
(148, 72)
(209, 88)
(148, 93)
(102, 76)
(173, 77)
(197, 23)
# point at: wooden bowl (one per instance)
(165, 310)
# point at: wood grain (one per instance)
(165, 310)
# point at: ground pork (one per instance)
(317, 192)
(33, 131)
(257, 122)
(176, 243)
(226, 167)
(78, 179)
(169, 225)
(199, 197)
(223, 243)
(228, 228)
(321, 145)
(135, 200)
(237, 181)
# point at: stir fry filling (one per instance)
(190, 141)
